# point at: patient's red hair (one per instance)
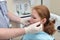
(43, 12)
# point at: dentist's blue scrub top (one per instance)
(38, 36)
(4, 21)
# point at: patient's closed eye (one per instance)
(33, 17)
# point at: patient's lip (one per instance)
(28, 21)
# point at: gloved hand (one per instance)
(34, 28)
(24, 21)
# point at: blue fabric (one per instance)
(4, 21)
(38, 36)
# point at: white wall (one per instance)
(11, 5)
(47, 3)
(55, 6)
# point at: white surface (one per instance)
(57, 18)
(22, 2)
(34, 2)
(46, 3)
(2, 0)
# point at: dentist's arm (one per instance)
(17, 19)
(13, 17)
(7, 33)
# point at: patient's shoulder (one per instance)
(38, 36)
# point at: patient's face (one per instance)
(34, 17)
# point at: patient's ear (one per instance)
(44, 20)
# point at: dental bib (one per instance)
(38, 36)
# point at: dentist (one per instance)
(8, 33)
(5, 15)
(5, 31)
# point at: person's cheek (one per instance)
(36, 20)
(31, 21)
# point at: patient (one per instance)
(41, 14)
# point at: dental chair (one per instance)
(57, 20)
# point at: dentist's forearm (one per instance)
(6, 33)
(13, 17)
